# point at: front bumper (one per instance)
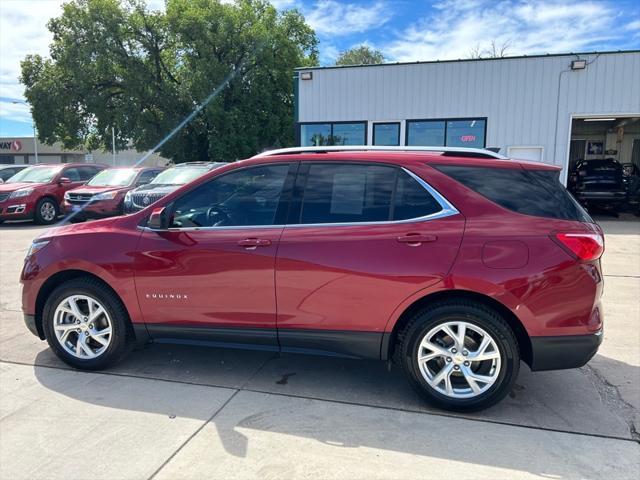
(97, 209)
(16, 209)
(570, 351)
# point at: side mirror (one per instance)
(159, 219)
(64, 180)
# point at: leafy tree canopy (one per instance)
(362, 55)
(115, 63)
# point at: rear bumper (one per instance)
(602, 196)
(570, 351)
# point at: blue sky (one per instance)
(404, 30)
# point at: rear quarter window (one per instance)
(530, 192)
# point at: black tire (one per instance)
(121, 337)
(38, 214)
(408, 342)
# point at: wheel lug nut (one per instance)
(456, 367)
(77, 322)
(448, 359)
(466, 364)
(453, 350)
(91, 325)
(465, 353)
(78, 330)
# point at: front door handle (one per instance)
(416, 239)
(253, 243)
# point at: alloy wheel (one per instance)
(82, 326)
(48, 211)
(459, 359)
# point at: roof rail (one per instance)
(462, 151)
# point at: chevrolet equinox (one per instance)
(454, 265)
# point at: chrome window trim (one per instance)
(448, 210)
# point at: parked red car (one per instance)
(453, 266)
(103, 195)
(37, 192)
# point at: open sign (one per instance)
(468, 138)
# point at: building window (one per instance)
(337, 133)
(425, 133)
(447, 133)
(386, 134)
(465, 133)
(315, 134)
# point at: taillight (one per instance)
(585, 246)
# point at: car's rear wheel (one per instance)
(86, 324)
(47, 211)
(459, 355)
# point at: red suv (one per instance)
(37, 192)
(103, 195)
(454, 266)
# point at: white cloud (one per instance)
(22, 31)
(329, 17)
(284, 4)
(545, 26)
(633, 26)
(18, 112)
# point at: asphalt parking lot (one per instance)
(171, 412)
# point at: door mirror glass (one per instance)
(64, 180)
(159, 219)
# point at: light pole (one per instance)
(33, 124)
(113, 144)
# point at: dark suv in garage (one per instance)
(598, 183)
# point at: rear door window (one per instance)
(352, 193)
(412, 200)
(530, 192)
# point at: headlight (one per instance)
(36, 246)
(23, 192)
(66, 196)
(104, 196)
(127, 198)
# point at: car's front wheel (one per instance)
(459, 355)
(85, 324)
(47, 211)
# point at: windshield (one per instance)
(35, 175)
(115, 177)
(179, 175)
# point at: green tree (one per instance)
(362, 55)
(115, 63)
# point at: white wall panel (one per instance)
(527, 101)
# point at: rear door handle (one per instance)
(415, 239)
(253, 243)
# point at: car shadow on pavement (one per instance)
(565, 400)
(330, 400)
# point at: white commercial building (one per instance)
(548, 108)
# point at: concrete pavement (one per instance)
(188, 412)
